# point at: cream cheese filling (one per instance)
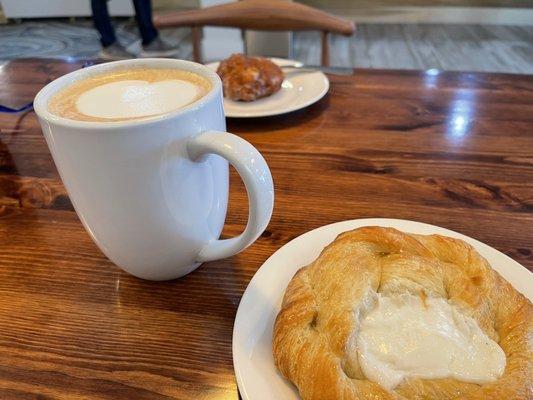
(406, 336)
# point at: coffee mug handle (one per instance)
(254, 171)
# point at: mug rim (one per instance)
(43, 96)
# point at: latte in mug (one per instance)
(152, 192)
(128, 94)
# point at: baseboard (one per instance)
(438, 15)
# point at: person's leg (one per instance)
(152, 44)
(143, 15)
(102, 22)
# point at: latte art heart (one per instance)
(135, 98)
(126, 94)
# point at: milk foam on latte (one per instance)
(128, 94)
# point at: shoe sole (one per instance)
(156, 54)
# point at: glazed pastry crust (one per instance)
(315, 332)
(249, 78)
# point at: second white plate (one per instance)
(299, 90)
(257, 376)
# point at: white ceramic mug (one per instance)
(152, 193)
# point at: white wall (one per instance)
(219, 43)
(60, 8)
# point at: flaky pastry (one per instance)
(249, 78)
(315, 334)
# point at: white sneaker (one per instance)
(159, 48)
(115, 52)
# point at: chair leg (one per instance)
(325, 49)
(197, 44)
(244, 43)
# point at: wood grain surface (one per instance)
(452, 149)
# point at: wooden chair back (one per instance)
(267, 15)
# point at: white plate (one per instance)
(257, 376)
(298, 90)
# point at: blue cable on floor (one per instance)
(15, 110)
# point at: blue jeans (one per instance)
(143, 16)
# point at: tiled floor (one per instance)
(448, 47)
(61, 39)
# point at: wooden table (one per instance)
(451, 149)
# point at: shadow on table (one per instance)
(279, 122)
(10, 184)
